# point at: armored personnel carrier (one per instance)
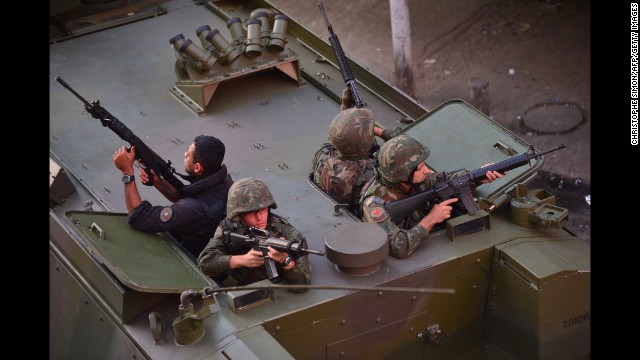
(509, 282)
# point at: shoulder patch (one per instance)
(378, 214)
(374, 200)
(166, 214)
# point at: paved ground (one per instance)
(535, 55)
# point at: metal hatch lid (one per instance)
(543, 259)
(461, 137)
(145, 262)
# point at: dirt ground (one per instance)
(534, 54)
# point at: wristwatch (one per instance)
(126, 178)
(287, 261)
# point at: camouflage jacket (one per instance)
(214, 259)
(341, 179)
(407, 235)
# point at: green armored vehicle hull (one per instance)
(509, 282)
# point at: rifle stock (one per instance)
(458, 187)
(144, 154)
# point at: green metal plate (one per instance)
(145, 262)
(461, 137)
(541, 260)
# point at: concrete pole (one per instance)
(401, 41)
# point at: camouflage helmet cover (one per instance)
(351, 133)
(400, 156)
(248, 194)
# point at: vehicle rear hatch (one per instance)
(461, 137)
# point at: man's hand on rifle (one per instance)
(252, 259)
(277, 256)
(144, 178)
(124, 160)
(438, 213)
(160, 184)
(492, 175)
(280, 256)
(346, 101)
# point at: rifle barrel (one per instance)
(64, 83)
(561, 146)
(321, 253)
(341, 59)
(326, 20)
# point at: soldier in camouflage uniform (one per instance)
(249, 205)
(343, 166)
(402, 170)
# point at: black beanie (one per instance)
(209, 152)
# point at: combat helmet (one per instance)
(248, 194)
(400, 156)
(351, 133)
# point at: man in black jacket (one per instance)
(197, 208)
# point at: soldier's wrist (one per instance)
(288, 263)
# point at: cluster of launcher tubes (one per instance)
(215, 48)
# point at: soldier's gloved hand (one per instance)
(346, 101)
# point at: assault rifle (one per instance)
(260, 239)
(144, 154)
(347, 75)
(459, 187)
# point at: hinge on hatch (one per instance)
(433, 335)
